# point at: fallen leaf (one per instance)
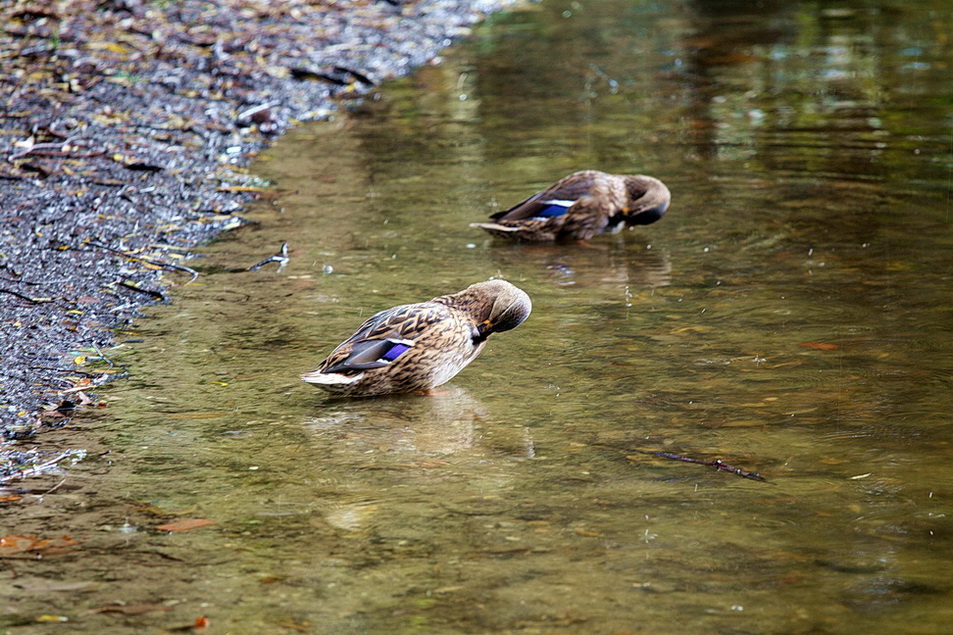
(186, 524)
(18, 543)
(821, 346)
(241, 188)
(302, 627)
(270, 579)
(200, 623)
(112, 47)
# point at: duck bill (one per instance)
(646, 217)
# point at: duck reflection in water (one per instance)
(400, 427)
(616, 268)
(376, 451)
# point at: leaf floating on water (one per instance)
(820, 346)
(270, 579)
(200, 624)
(303, 626)
(15, 544)
(186, 524)
(18, 543)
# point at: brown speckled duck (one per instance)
(582, 205)
(416, 347)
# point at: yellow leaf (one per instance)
(241, 188)
(112, 47)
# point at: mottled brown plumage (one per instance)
(416, 347)
(582, 205)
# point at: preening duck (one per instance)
(582, 205)
(416, 347)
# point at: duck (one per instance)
(582, 205)
(417, 347)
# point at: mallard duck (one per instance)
(416, 347)
(581, 205)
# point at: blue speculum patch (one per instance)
(395, 351)
(551, 210)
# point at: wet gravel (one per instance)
(124, 126)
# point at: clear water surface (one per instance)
(791, 316)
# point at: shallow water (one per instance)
(790, 316)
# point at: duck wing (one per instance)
(383, 338)
(555, 200)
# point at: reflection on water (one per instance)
(439, 425)
(613, 265)
(790, 315)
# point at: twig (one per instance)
(157, 295)
(103, 357)
(54, 488)
(248, 113)
(26, 297)
(157, 263)
(359, 76)
(718, 464)
(282, 259)
(54, 149)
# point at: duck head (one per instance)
(648, 200)
(494, 305)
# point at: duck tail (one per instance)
(504, 231)
(330, 381)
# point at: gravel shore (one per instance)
(124, 128)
